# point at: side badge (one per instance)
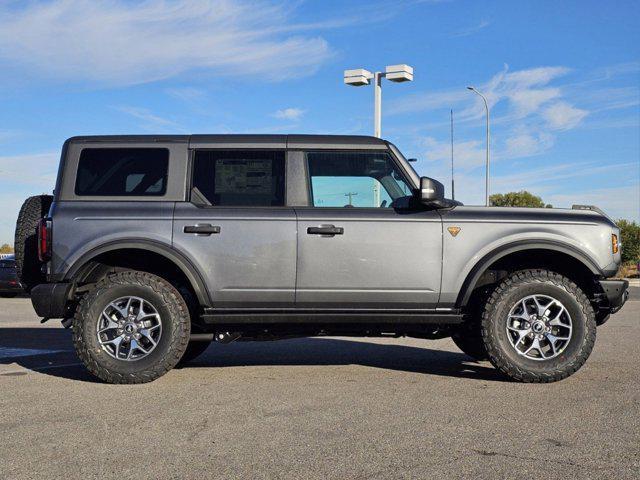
(453, 231)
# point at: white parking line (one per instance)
(25, 370)
(6, 352)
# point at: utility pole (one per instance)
(350, 195)
(486, 106)
(453, 189)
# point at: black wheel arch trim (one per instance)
(182, 262)
(485, 262)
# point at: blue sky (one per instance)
(563, 80)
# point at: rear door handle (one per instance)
(204, 229)
(329, 230)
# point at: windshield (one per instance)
(415, 178)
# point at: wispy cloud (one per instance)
(563, 116)
(465, 32)
(293, 114)
(187, 94)
(531, 111)
(149, 120)
(114, 42)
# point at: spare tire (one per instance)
(28, 265)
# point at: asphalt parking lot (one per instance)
(316, 408)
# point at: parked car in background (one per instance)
(9, 284)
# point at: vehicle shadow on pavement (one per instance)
(53, 355)
(340, 351)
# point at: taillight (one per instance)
(44, 239)
(615, 246)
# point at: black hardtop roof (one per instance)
(239, 139)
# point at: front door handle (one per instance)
(204, 229)
(329, 230)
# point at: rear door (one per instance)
(360, 244)
(236, 228)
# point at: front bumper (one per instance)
(50, 299)
(616, 292)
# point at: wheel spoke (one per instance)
(111, 324)
(534, 345)
(146, 333)
(556, 321)
(115, 342)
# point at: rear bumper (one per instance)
(50, 299)
(10, 286)
(616, 292)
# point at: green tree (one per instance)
(517, 199)
(6, 248)
(630, 238)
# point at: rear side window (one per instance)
(240, 178)
(126, 172)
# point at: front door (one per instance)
(360, 244)
(237, 231)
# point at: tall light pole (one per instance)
(486, 106)
(360, 77)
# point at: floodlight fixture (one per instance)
(359, 77)
(399, 73)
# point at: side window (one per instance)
(355, 179)
(115, 172)
(238, 178)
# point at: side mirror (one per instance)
(431, 192)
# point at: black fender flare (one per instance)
(182, 262)
(485, 262)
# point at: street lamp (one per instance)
(486, 106)
(360, 77)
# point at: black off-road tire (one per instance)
(193, 351)
(542, 282)
(176, 327)
(28, 266)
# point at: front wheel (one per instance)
(538, 326)
(132, 327)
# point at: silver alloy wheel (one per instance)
(129, 328)
(539, 327)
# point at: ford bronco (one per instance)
(151, 247)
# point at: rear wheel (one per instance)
(132, 327)
(28, 266)
(538, 326)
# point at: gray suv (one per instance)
(154, 246)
